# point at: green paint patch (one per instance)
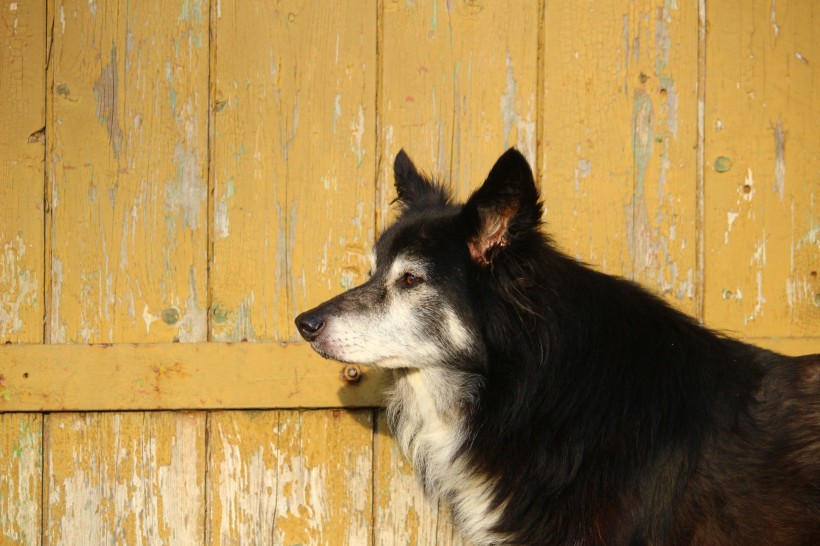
(170, 316)
(219, 315)
(723, 164)
(63, 90)
(5, 394)
(190, 11)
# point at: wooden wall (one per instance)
(178, 177)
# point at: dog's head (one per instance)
(421, 304)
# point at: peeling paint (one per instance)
(248, 490)
(758, 262)
(125, 478)
(240, 322)
(186, 194)
(20, 471)
(57, 328)
(779, 161)
(731, 217)
(640, 241)
(337, 104)
(582, 170)
(20, 287)
(222, 222)
(106, 93)
(747, 191)
(148, 318)
(357, 131)
(512, 118)
(663, 40)
(193, 326)
(773, 19)
(799, 291)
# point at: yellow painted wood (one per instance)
(185, 376)
(794, 346)
(458, 87)
(403, 514)
(619, 139)
(124, 478)
(21, 467)
(22, 250)
(293, 160)
(763, 168)
(22, 176)
(290, 477)
(178, 376)
(127, 158)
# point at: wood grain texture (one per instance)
(763, 168)
(458, 87)
(127, 158)
(178, 376)
(21, 468)
(290, 477)
(294, 160)
(204, 170)
(124, 478)
(22, 250)
(22, 176)
(619, 139)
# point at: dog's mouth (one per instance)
(332, 353)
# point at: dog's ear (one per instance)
(414, 190)
(503, 209)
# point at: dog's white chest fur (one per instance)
(430, 430)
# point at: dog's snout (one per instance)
(310, 325)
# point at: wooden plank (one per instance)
(763, 168)
(458, 87)
(22, 177)
(127, 158)
(22, 251)
(178, 376)
(794, 346)
(21, 468)
(125, 478)
(619, 134)
(403, 514)
(294, 160)
(290, 477)
(203, 375)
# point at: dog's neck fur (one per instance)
(428, 409)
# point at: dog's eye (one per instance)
(409, 279)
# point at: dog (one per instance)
(549, 403)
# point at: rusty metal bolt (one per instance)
(352, 374)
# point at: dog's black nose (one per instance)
(309, 325)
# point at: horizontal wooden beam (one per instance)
(177, 376)
(180, 376)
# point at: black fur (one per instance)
(604, 416)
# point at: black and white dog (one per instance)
(552, 404)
